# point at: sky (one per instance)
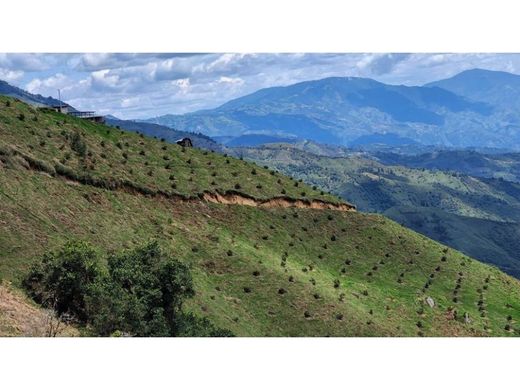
(138, 86)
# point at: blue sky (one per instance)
(146, 85)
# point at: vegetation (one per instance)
(241, 282)
(140, 293)
(478, 216)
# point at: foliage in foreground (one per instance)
(138, 292)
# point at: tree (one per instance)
(62, 280)
(139, 292)
(142, 294)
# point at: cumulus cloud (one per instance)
(48, 85)
(144, 85)
(10, 75)
(90, 62)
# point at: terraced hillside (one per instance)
(276, 270)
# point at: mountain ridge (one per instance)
(337, 110)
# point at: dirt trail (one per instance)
(229, 197)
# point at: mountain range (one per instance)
(474, 108)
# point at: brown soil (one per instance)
(18, 317)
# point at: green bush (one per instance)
(138, 292)
(62, 279)
(78, 144)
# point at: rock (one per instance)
(186, 142)
(430, 302)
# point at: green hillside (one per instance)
(479, 216)
(274, 270)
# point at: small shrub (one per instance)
(229, 252)
(247, 290)
(21, 117)
(307, 314)
(336, 283)
(281, 291)
(78, 145)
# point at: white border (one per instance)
(259, 363)
(260, 26)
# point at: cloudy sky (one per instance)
(145, 85)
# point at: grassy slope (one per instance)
(46, 136)
(365, 253)
(462, 211)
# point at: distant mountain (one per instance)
(258, 139)
(7, 89)
(501, 89)
(498, 166)
(340, 110)
(388, 139)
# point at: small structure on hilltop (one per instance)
(89, 115)
(186, 142)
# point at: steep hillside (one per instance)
(465, 212)
(343, 110)
(271, 270)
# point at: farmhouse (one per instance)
(89, 115)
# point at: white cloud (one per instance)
(230, 80)
(10, 75)
(49, 85)
(145, 85)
